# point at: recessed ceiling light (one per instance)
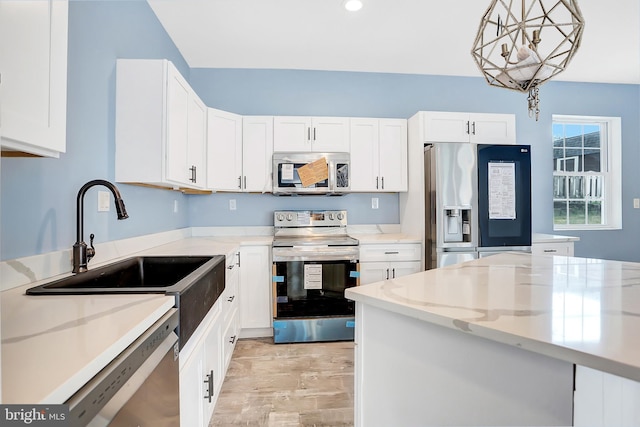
(352, 5)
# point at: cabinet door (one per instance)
(291, 134)
(255, 287)
(177, 122)
(212, 369)
(393, 155)
(330, 134)
(257, 153)
(197, 142)
(224, 151)
(191, 390)
(371, 272)
(399, 269)
(446, 127)
(33, 64)
(493, 128)
(364, 154)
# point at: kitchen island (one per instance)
(500, 341)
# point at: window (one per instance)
(586, 173)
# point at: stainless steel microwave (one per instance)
(289, 177)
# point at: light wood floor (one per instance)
(283, 385)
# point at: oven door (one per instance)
(309, 303)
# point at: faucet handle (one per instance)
(91, 251)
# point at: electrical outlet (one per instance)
(374, 203)
(636, 203)
(103, 201)
(232, 204)
(175, 206)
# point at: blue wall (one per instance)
(38, 195)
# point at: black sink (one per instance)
(195, 281)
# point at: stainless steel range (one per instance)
(314, 261)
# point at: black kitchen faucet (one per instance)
(82, 254)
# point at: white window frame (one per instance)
(612, 200)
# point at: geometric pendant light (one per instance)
(522, 44)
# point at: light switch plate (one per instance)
(103, 201)
(636, 203)
(374, 203)
(232, 204)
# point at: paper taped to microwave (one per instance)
(314, 172)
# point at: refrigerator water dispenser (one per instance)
(457, 226)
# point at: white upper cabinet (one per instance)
(311, 134)
(378, 155)
(33, 77)
(224, 151)
(160, 127)
(477, 128)
(239, 152)
(257, 151)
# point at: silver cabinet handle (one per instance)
(238, 262)
(473, 128)
(468, 124)
(393, 273)
(377, 178)
(383, 182)
(209, 382)
(550, 250)
(245, 182)
(314, 134)
(231, 298)
(240, 182)
(233, 339)
(308, 134)
(193, 173)
(387, 274)
(391, 252)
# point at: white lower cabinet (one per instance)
(201, 373)
(371, 272)
(602, 399)
(205, 357)
(255, 292)
(388, 261)
(556, 248)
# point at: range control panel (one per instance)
(310, 218)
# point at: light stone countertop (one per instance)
(384, 238)
(52, 345)
(581, 310)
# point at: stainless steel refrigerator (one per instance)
(478, 201)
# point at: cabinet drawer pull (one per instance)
(391, 252)
(473, 128)
(550, 250)
(377, 178)
(193, 174)
(240, 182)
(387, 274)
(393, 273)
(382, 182)
(233, 339)
(230, 299)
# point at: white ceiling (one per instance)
(389, 36)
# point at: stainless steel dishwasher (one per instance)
(140, 387)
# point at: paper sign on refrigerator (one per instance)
(502, 190)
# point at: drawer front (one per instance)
(561, 248)
(391, 252)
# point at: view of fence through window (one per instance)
(579, 173)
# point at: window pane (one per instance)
(559, 212)
(559, 187)
(596, 185)
(577, 213)
(591, 160)
(592, 137)
(594, 210)
(558, 156)
(558, 135)
(576, 187)
(573, 160)
(572, 131)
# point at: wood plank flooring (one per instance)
(287, 385)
